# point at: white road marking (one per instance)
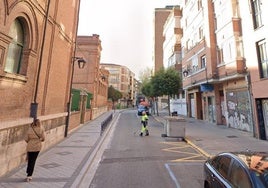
(172, 176)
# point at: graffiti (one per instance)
(231, 105)
(237, 109)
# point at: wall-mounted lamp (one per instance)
(81, 64)
(103, 78)
(185, 73)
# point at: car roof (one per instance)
(257, 161)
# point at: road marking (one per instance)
(172, 175)
(178, 147)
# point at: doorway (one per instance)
(262, 112)
(192, 105)
(211, 109)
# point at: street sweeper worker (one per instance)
(144, 123)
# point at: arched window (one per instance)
(15, 49)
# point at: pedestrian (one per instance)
(144, 124)
(34, 138)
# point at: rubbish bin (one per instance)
(175, 126)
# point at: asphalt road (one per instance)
(131, 161)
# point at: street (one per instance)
(119, 158)
(149, 161)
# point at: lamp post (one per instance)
(81, 64)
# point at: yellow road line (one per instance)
(177, 149)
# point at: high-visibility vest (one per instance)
(144, 117)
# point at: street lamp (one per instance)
(81, 64)
(185, 73)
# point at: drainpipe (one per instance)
(73, 59)
(34, 104)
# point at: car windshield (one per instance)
(260, 178)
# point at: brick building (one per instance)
(36, 54)
(92, 78)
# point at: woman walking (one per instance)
(34, 138)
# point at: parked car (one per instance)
(142, 108)
(237, 170)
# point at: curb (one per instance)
(197, 148)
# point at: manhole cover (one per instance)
(50, 165)
(232, 136)
(64, 153)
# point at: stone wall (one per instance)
(13, 146)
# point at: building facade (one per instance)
(36, 49)
(214, 65)
(172, 55)
(122, 79)
(224, 78)
(160, 17)
(224, 62)
(254, 36)
(92, 78)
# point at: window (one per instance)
(199, 4)
(201, 33)
(220, 55)
(256, 13)
(195, 63)
(239, 177)
(203, 61)
(221, 164)
(262, 58)
(183, 94)
(15, 49)
(215, 23)
(188, 44)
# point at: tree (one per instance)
(166, 82)
(114, 94)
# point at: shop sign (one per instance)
(206, 87)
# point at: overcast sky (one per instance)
(125, 28)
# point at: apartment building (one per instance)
(231, 66)
(198, 54)
(213, 64)
(254, 35)
(224, 63)
(122, 79)
(172, 55)
(36, 48)
(160, 17)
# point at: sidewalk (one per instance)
(64, 164)
(212, 139)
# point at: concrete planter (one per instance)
(174, 127)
